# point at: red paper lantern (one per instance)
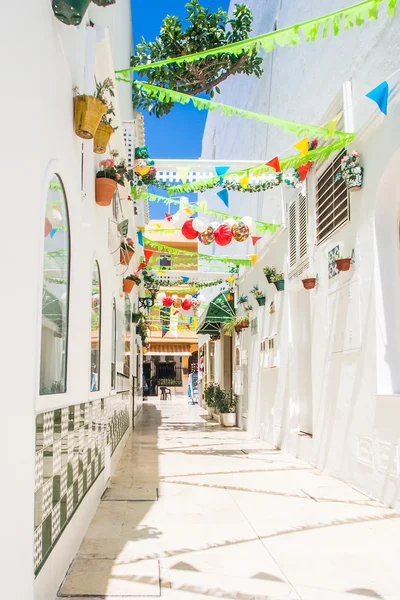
(188, 231)
(187, 304)
(223, 235)
(167, 301)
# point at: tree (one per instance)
(206, 30)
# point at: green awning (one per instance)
(219, 311)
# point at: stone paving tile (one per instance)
(234, 518)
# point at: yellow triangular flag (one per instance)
(140, 228)
(253, 257)
(142, 171)
(302, 146)
(231, 279)
(331, 126)
(161, 272)
(157, 225)
(202, 206)
(244, 181)
(188, 210)
(183, 173)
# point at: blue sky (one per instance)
(178, 134)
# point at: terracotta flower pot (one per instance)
(245, 324)
(128, 285)
(102, 137)
(105, 189)
(125, 256)
(309, 283)
(238, 328)
(88, 111)
(343, 264)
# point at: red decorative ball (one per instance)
(223, 235)
(187, 304)
(167, 301)
(188, 231)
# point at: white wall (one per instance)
(343, 388)
(41, 61)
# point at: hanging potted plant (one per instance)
(259, 295)
(309, 283)
(129, 282)
(343, 264)
(226, 403)
(351, 171)
(279, 280)
(71, 12)
(126, 252)
(234, 324)
(269, 272)
(88, 110)
(104, 130)
(245, 321)
(109, 176)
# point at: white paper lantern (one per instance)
(202, 299)
(188, 296)
(230, 221)
(55, 217)
(249, 221)
(179, 218)
(160, 296)
(214, 225)
(174, 297)
(200, 224)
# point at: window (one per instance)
(269, 353)
(165, 261)
(113, 345)
(55, 292)
(127, 336)
(95, 339)
(298, 231)
(332, 200)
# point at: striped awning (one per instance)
(169, 350)
(219, 311)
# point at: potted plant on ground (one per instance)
(109, 176)
(127, 250)
(269, 272)
(309, 282)
(343, 264)
(104, 130)
(351, 171)
(209, 395)
(129, 282)
(259, 295)
(71, 12)
(88, 110)
(226, 403)
(279, 280)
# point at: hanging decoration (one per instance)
(223, 234)
(274, 162)
(354, 15)
(200, 224)
(47, 227)
(255, 239)
(206, 257)
(179, 218)
(221, 171)
(302, 146)
(146, 173)
(187, 304)
(240, 231)
(207, 237)
(167, 301)
(380, 95)
(303, 170)
(223, 194)
(188, 230)
(147, 255)
(253, 257)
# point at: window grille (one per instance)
(332, 200)
(269, 353)
(298, 230)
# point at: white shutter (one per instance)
(298, 232)
(303, 237)
(292, 234)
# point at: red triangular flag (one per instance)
(188, 326)
(303, 170)
(274, 163)
(255, 238)
(147, 255)
(141, 266)
(168, 216)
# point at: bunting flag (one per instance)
(303, 170)
(244, 181)
(255, 238)
(331, 126)
(53, 232)
(165, 315)
(188, 326)
(147, 255)
(302, 146)
(230, 279)
(274, 163)
(183, 173)
(206, 257)
(221, 171)
(157, 225)
(223, 194)
(185, 279)
(202, 206)
(253, 258)
(140, 237)
(168, 216)
(354, 15)
(380, 95)
(141, 266)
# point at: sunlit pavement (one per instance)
(195, 511)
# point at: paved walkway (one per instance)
(196, 512)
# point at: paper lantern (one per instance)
(207, 237)
(200, 224)
(174, 297)
(188, 296)
(249, 221)
(187, 304)
(167, 301)
(214, 225)
(179, 218)
(55, 217)
(202, 299)
(223, 235)
(187, 230)
(47, 227)
(160, 296)
(195, 303)
(177, 303)
(230, 221)
(240, 232)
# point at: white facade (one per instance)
(333, 370)
(42, 60)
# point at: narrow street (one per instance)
(197, 512)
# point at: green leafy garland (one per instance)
(207, 257)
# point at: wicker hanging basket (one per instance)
(88, 111)
(105, 189)
(102, 137)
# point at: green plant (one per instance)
(269, 271)
(242, 300)
(278, 276)
(206, 30)
(134, 278)
(257, 292)
(209, 394)
(119, 172)
(236, 323)
(226, 401)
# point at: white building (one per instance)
(73, 418)
(318, 372)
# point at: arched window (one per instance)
(113, 345)
(95, 330)
(55, 292)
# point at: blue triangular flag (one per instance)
(140, 238)
(221, 170)
(380, 95)
(53, 232)
(195, 295)
(223, 194)
(185, 279)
